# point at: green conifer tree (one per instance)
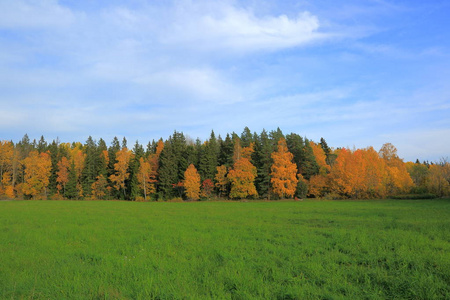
(208, 159)
(263, 161)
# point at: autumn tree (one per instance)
(37, 173)
(222, 182)
(6, 164)
(62, 175)
(283, 172)
(100, 188)
(242, 178)
(398, 179)
(192, 183)
(361, 173)
(375, 173)
(147, 176)
(96, 171)
(344, 174)
(78, 157)
(207, 188)
(242, 175)
(121, 174)
(438, 181)
(318, 184)
(320, 157)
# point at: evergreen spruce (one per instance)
(330, 157)
(112, 150)
(309, 165)
(71, 186)
(172, 164)
(209, 158)
(132, 183)
(226, 152)
(246, 137)
(42, 145)
(263, 161)
(91, 163)
(55, 157)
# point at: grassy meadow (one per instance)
(383, 249)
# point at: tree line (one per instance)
(269, 165)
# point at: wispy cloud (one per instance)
(224, 26)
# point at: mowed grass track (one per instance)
(225, 250)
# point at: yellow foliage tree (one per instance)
(78, 157)
(397, 179)
(63, 174)
(242, 179)
(283, 171)
(99, 188)
(221, 180)
(147, 176)
(438, 181)
(192, 183)
(123, 157)
(37, 172)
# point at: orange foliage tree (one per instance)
(283, 171)
(318, 185)
(320, 156)
(37, 172)
(6, 164)
(364, 173)
(192, 183)
(357, 174)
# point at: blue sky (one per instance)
(358, 73)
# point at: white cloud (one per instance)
(239, 29)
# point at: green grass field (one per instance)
(225, 250)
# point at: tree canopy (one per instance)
(269, 165)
